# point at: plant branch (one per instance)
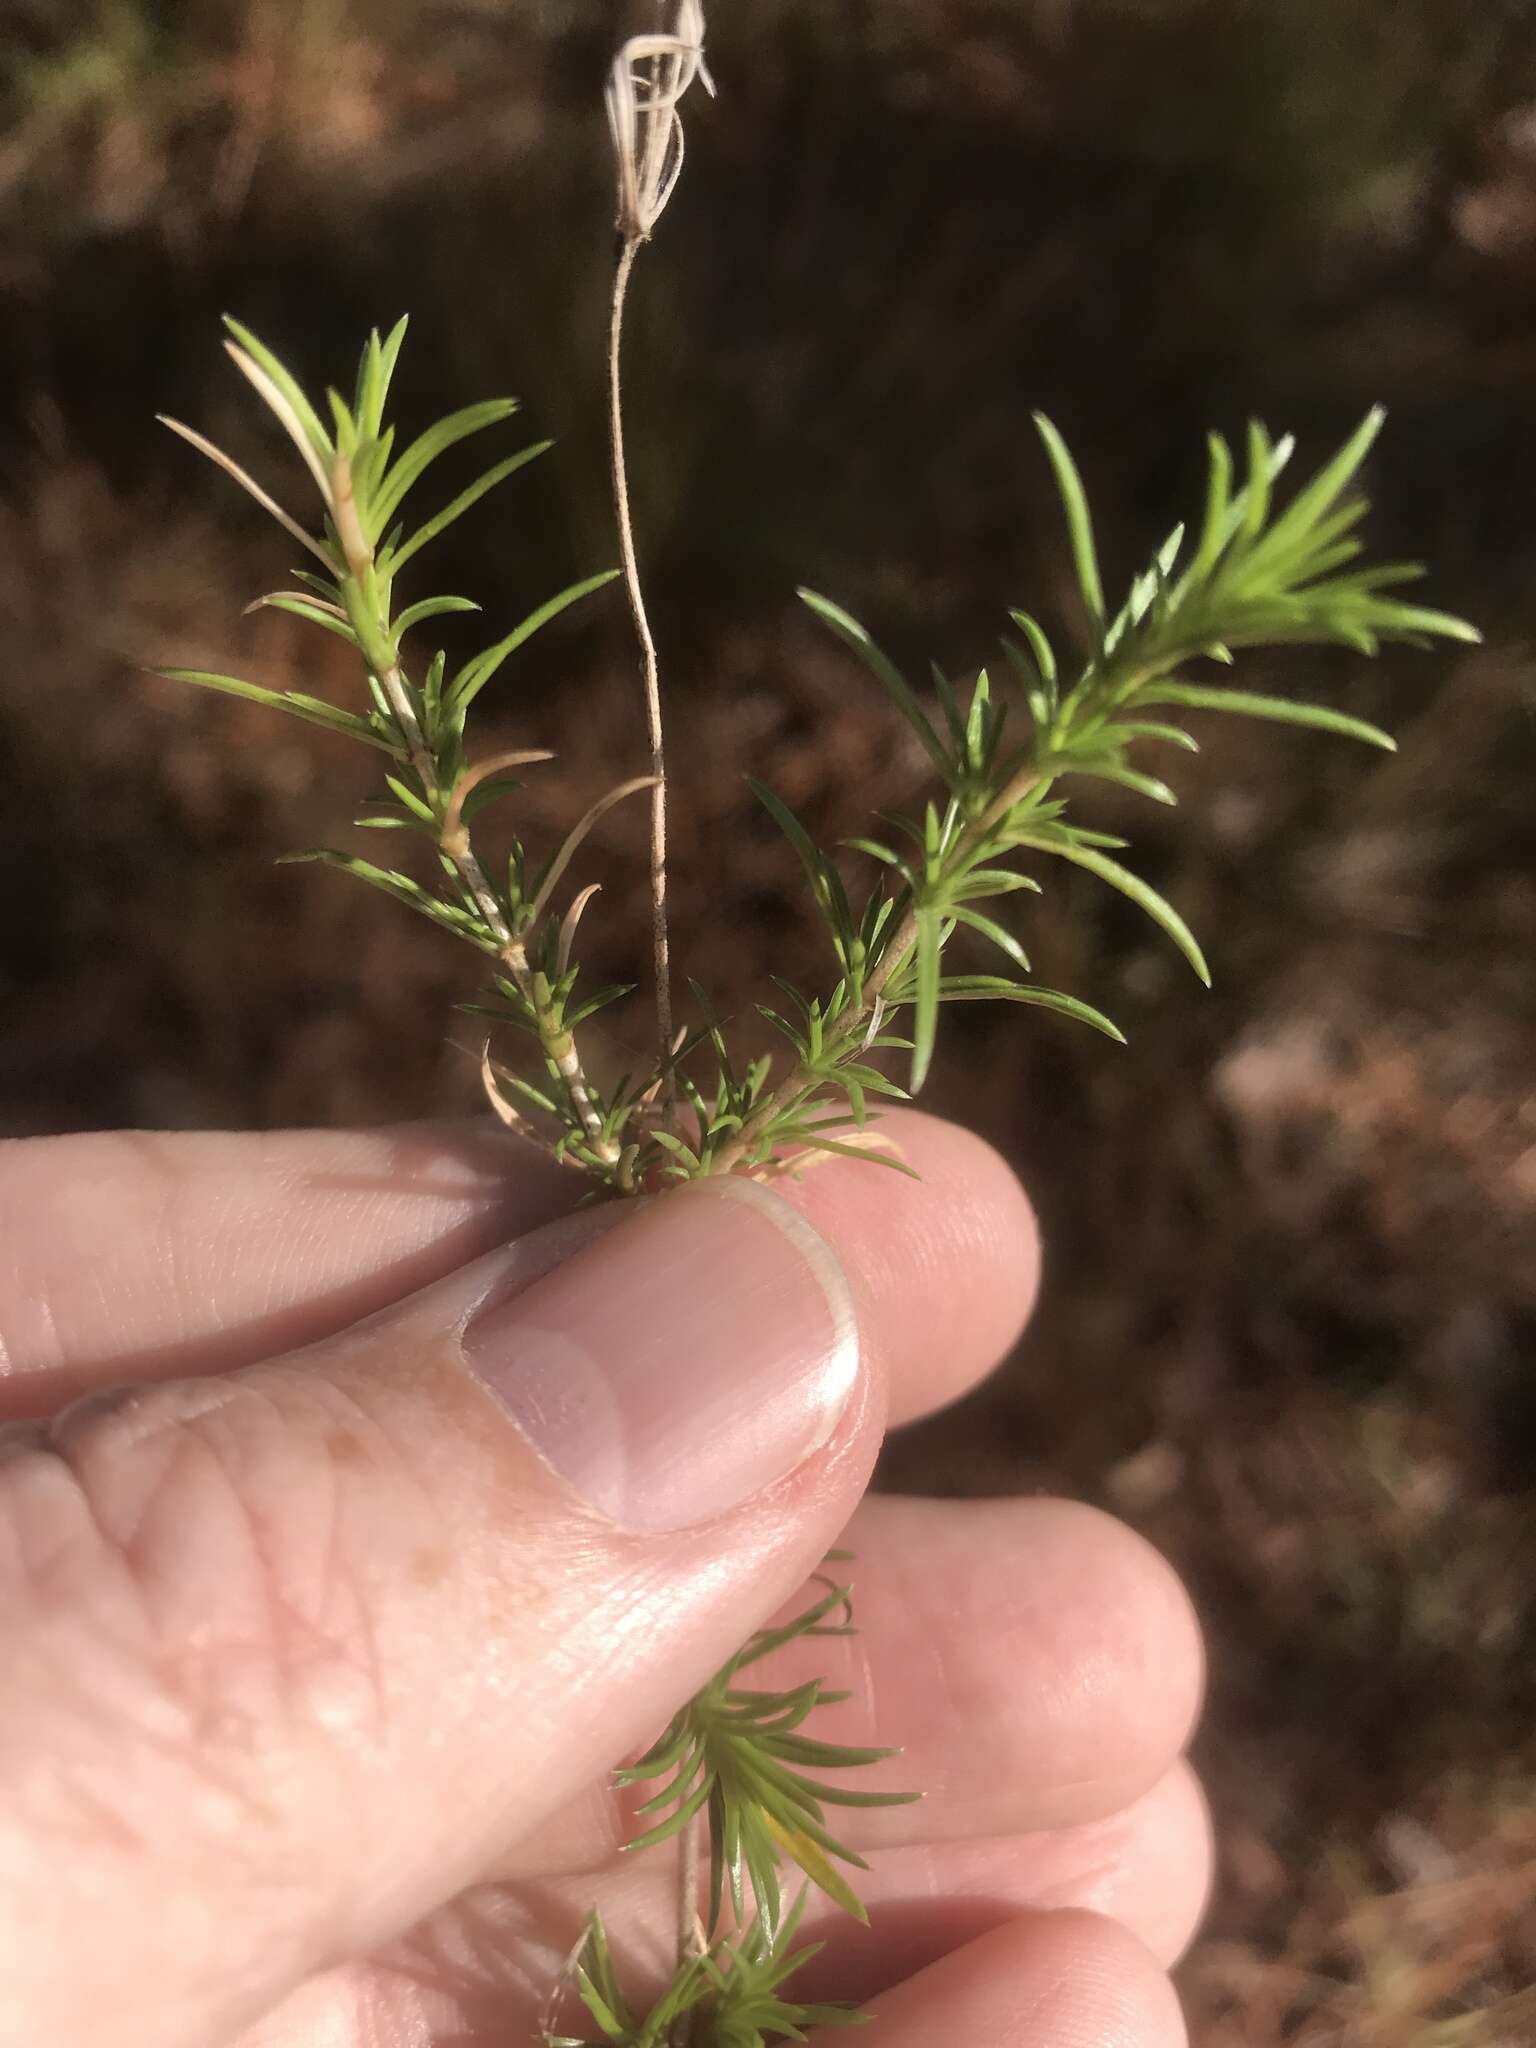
(453, 839)
(1256, 575)
(855, 1018)
(660, 947)
(692, 1940)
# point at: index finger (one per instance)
(137, 1256)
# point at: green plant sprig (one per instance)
(1254, 576)
(739, 1756)
(737, 1987)
(736, 1762)
(431, 789)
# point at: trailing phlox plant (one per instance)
(735, 1778)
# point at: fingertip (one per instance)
(1063, 1640)
(1099, 1986)
(1071, 1979)
(1182, 1817)
(947, 1267)
(1163, 1634)
(1128, 1649)
(1148, 1868)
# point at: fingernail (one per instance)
(692, 1356)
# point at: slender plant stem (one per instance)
(558, 1042)
(692, 1937)
(856, 1018)
(902, 941)
(692, 1941)
(660, 948)
(798, 1080)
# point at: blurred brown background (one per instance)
(1289, 1321)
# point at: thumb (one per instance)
(292, 1656)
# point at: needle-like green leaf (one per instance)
(1141, 893)
(310, 709)
(1074, 502)
(473, 678)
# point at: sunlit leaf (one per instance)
(1141, 893)
(440, 524)
(474, 676)
(1074, 502)
(310, 709)
(436, 441)
(405, 890)
(1282, 710)
(885, 672)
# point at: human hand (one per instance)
(313, 1667)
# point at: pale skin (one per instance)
(311, 1678)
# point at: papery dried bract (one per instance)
(649, 78)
